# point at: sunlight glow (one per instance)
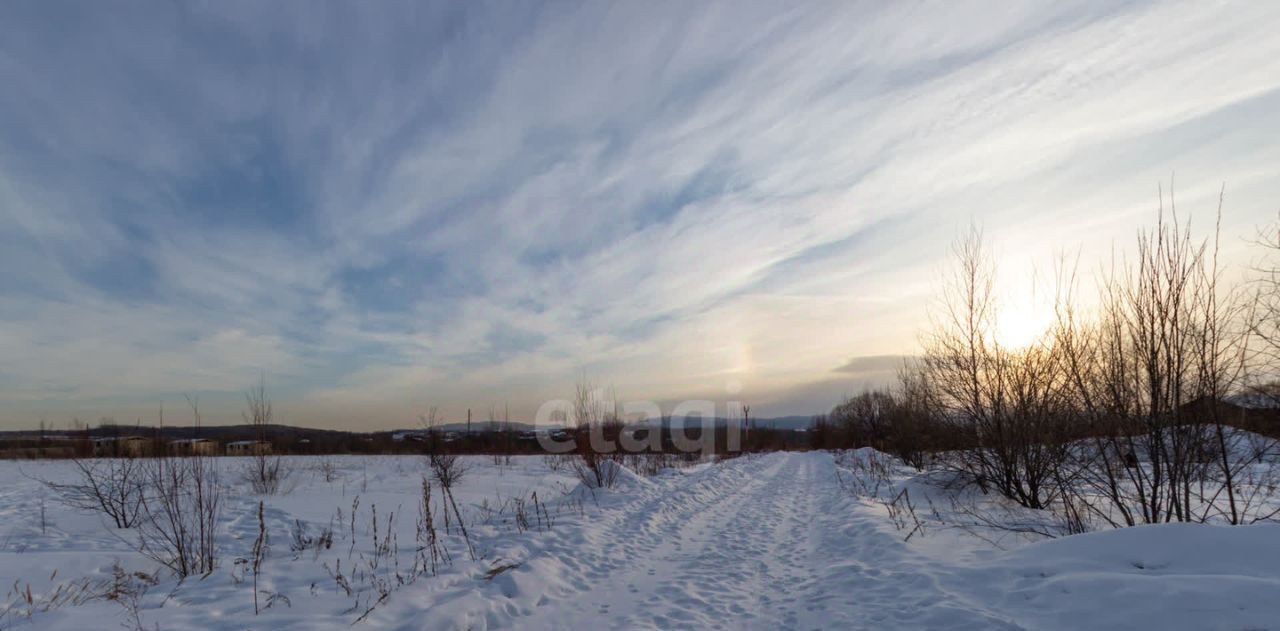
(1020, 325)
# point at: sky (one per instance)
(376, 208)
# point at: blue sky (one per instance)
(386, 206)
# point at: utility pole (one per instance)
(468, 421)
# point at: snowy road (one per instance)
(767, 542)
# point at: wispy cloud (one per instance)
(385, 206)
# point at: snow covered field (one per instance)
(758, 542)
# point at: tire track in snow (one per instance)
(695, 551)
(759, 542)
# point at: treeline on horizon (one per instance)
(483, 439)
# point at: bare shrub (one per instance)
(596, 470)
(301, 540)
(430, 553)
(448, 469)
(900, 421)
(903, 514)
(120, 586)
(599, 426)
(649, 464)
(259, 553)
(871, 472)
(128, 590)
(265, 472)
(915, 429)
(110, 486)
(180, 514)
(555, 462)
(328, 470)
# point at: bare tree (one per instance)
(1150, 374)
(1003, 405)
(1264, 320)
(265, 473)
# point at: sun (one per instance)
(1021, 325)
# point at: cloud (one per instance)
(461, 204)
(873, 363)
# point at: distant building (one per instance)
(248, 448)
(122, 447)
(193, 447)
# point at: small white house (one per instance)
(248, 448)
(193, 447)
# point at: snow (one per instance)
(1185, 576)
(775, 541)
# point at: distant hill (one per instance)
(478, 426)
(170, 432)
(782, 423)
(292, 433)
(786, 422)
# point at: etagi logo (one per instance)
(592, 420)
